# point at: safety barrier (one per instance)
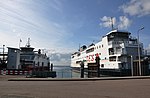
(14, 72)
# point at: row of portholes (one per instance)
(100, 46)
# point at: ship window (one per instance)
(119, 58)
(102, 45)
(25, 57)
(111, 51)
(77, 62)
(90, 50)
(99, 46)
(78, 54)
(32, 57)
(102, 65)
(38, 63)
(113, 58)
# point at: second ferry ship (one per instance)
(116, 50)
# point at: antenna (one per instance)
(20, 43)
(79, 46)
(112, 24)
(28, 43)
(93, 41)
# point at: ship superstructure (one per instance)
(26, 58)
(116, 50)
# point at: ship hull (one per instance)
(105, 72)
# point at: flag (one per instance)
(20, 40)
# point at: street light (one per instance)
(3, 53)
(139, 50)
(132, 65)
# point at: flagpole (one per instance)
(20, 43)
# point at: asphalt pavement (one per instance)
(113, 88)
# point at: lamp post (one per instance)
(131, 65)
(139, 51)
(3, 52)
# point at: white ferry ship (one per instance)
(26, 58)
(116, 50)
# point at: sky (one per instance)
(58, 27)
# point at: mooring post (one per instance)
(48, 65)
(98, 65)
(82, 69)
(51, 66)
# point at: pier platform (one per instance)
(78, 79)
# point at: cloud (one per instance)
(106, 21)
(60, 59)
(122, 23)
(21, 19)
(136, 7)
(57, 5)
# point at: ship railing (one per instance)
(116, 42)
(119, 43)
(117, 52)
(130, 44)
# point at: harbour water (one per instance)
(66, 72)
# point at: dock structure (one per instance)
(93, 70)
(144, 67)
(3, 60)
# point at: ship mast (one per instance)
(112, 24)
(28, 43)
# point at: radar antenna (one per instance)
(28, 43)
